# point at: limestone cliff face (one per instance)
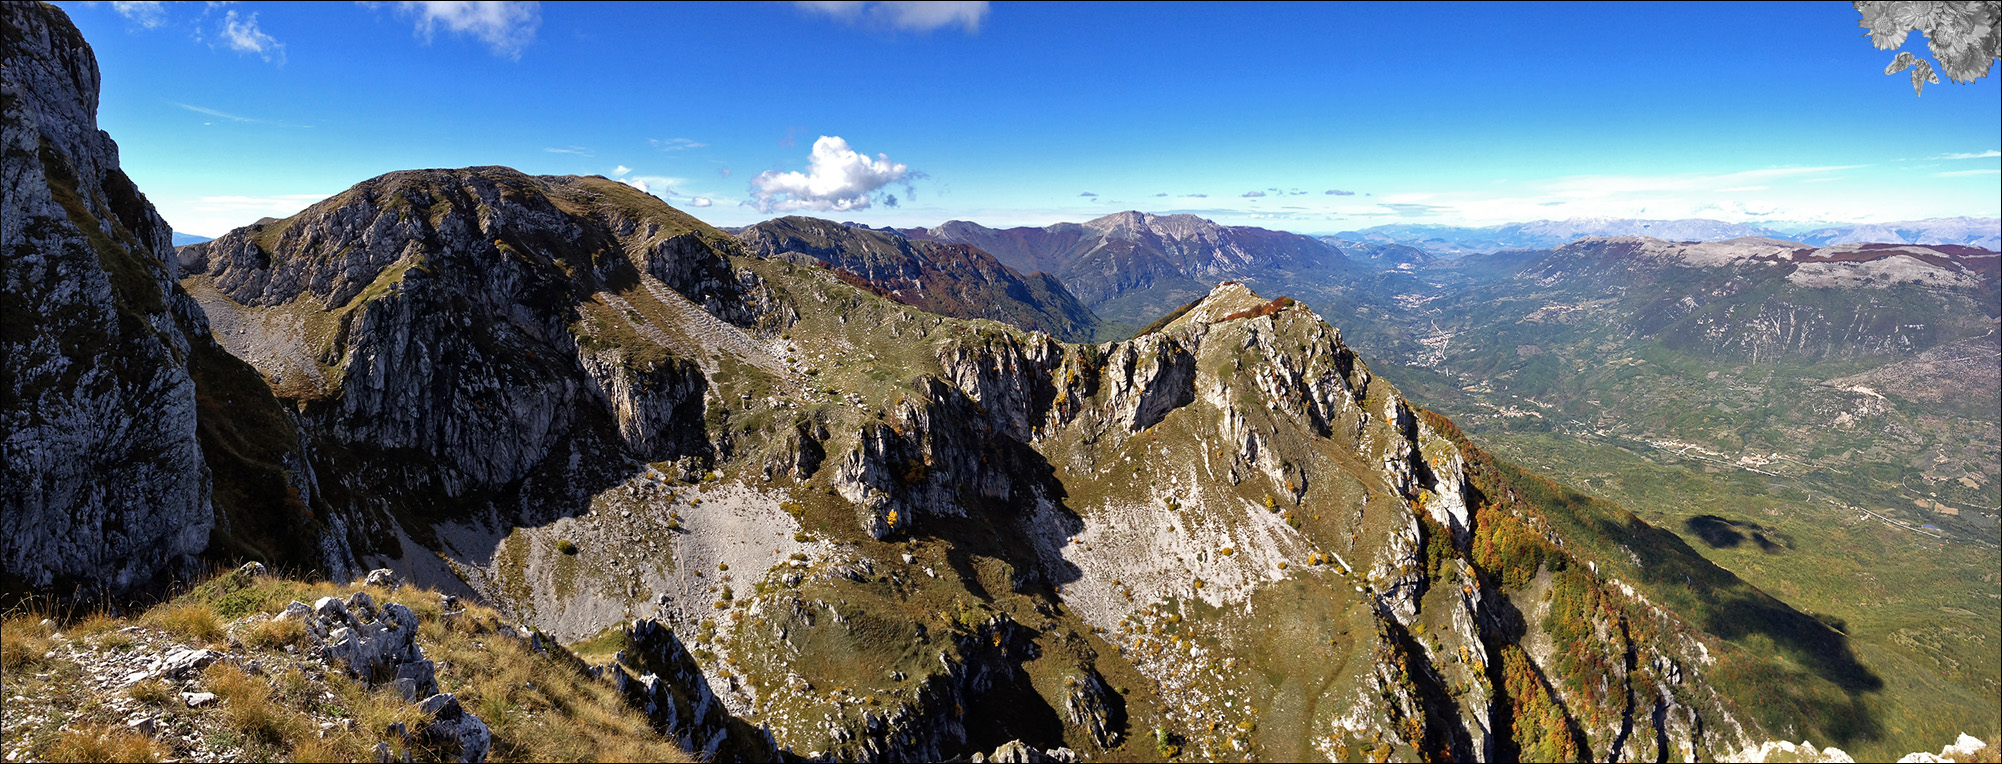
(104, 482)
(133, 441)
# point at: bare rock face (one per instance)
(104, 482)
(653, 400)
(484, 321)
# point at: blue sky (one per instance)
(1028, 114)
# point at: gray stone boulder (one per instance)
(451, 726)
(384, 578)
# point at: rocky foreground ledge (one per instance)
(249, 666)
(243, 668)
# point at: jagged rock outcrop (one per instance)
(657, 675)
(450, 726)
(375, 645)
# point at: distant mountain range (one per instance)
(1134, 266)
(1454, 241)
(1985, 233)
(184, 239)
(949, 279)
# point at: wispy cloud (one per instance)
(620, 170)
(1744, 188)
(214, 112)
(1962, 173)
(1338, 192)
(506, 26)
(578, 150)
(148, 14)
(837, 178)
(700, 201)
(1974, 155)
(675, 144)
(1088, 194)
(1253, 194)
(242, 35)
(1162, 194)
(1415, 210)
(1598, 186)
(1195, 196)
(219, 114)
(913, 16)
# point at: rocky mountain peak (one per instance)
(1135, 225)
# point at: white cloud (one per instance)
(217, 215)
(1253, 194)
(243, 36)
(837, 178)
(658, 185)
(621, 170)
(145, 13)
(507, 26)
(578, 150)
(1962, 173)
(1974, 155)
(915, 16)
(675, 144)
(700, 201)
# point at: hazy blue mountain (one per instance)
(1453, 241)
(1985, 233)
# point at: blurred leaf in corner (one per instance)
(1965, 37)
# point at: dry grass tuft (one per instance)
(96, 623)
(97, 742)
(24, 642)
(152, 692)
(274, 634)
(248, 708)
(193, 621)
